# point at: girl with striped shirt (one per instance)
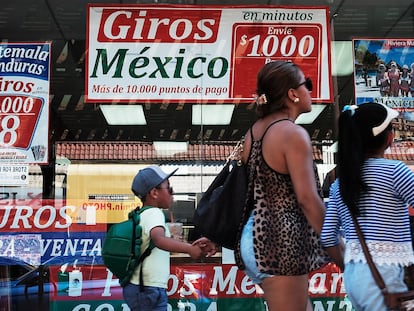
(378, 191)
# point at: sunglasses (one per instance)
(308, 84)
(169, 188)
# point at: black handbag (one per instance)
(220, 211)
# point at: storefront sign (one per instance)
(200, 54)
(195, 287)
(24, 102)
(36, 230)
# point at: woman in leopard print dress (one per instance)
(279, 243)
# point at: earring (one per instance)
(296, 100)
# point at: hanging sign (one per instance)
(154, 53)
(24, 102)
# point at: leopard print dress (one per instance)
(284, 242)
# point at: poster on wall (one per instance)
(384, 73)
(24, 102)
(145, 53)
(35, 230)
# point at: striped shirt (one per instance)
(384, 218)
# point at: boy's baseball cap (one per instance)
(147, 179)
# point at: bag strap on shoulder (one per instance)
(135, 213)
(236, 153)
(375, 273)
(136, 217)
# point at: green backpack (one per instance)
(121, 250)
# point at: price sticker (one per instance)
(19, 115)
(277, 41)
(255, 45)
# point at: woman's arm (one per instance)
(300, 166)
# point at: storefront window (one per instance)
(66, 176)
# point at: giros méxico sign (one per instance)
(193, 54)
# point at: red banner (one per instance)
(298, 43)
(197, 54)
(19, 116)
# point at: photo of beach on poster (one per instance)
(384, 73)
(383, 68)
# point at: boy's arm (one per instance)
(172, 245)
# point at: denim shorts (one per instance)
(363, 291)
(149, 299)
(247, 253)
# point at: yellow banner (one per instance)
(101, 193)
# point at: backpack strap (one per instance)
(136, 218)
(141, 259)
(137, 212)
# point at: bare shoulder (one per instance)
(298, 130)
(288, 130)
(299, 142)
(291, 138)
(284, 142)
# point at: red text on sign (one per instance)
(15, 86)
(161, 26)
(18, 118)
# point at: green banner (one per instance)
(203, 304)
